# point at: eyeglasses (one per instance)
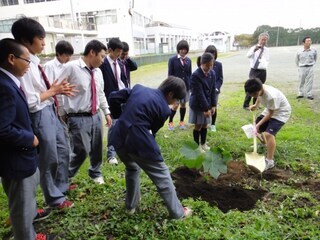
(24, 59)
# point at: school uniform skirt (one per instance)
(197, 117)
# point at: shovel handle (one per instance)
(254, 133)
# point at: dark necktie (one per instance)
(48, 85)
(115, 72)
(184, 61)
(93, 93)
(256, 64)
(124, 68)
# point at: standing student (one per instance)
(217, 68)
(180, 66)
(276, 113)
(18, 164)
(202, 100)
(41, 97)
(53, 69)
(82, 111)
(259, 61)
(112, 82)
(305, 61)
(127, 64)
(64, 52)
(133, 137)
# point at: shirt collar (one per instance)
(13, 78)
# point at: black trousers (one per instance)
(255, 73)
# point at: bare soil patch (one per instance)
(238, 189)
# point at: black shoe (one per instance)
(246, 108)
(310, 98)
(42, 214)
(299, 96)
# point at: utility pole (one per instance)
(277, 36)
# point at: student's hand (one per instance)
(35, 141)
(109, 120)
(63, 87)
(213, 110)
(207, 113)
(253, 107)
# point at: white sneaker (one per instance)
(213, 128)
(131, 211)
(205, 147)
(113, 161)
(269, 164)
(200, 149)
(98, 180)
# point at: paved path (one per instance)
(282, 71)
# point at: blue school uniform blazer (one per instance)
(217, 68)
(175, 68)
(126, 67)
(144, 113)
(110, 83)
(203, 91)
(18, 159)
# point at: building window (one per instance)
(107, 17)
(5, 25)
(8, 2)
(37, 1)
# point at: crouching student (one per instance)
(276, 113)
(133, 137)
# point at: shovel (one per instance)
(254, 159)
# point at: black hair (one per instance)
(64, 47)
(206, 58)
(253, 85)
(125, 47)
(175, 85)
(115, 43)
(183, 44)
(305, 38)
(213, 50)
(26, 29)
(9, 46)
(94, 45)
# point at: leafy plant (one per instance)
(214, 161)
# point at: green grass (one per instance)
(290, 213)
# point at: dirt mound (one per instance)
(230, 190)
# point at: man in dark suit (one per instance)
(18, 160)
(127, 64)
(111, 72)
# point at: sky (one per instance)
(235, 16)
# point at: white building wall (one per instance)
(61, 20)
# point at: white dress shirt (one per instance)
(53, 69)
(33, 85)
(253, 56)
(76, 72)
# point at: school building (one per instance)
(79, 21)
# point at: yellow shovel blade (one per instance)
(256, 160)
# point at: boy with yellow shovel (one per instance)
(276, 113)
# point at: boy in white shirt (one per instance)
(276, 113)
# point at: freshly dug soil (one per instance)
(238, 189)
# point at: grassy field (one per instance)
(291, 209)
